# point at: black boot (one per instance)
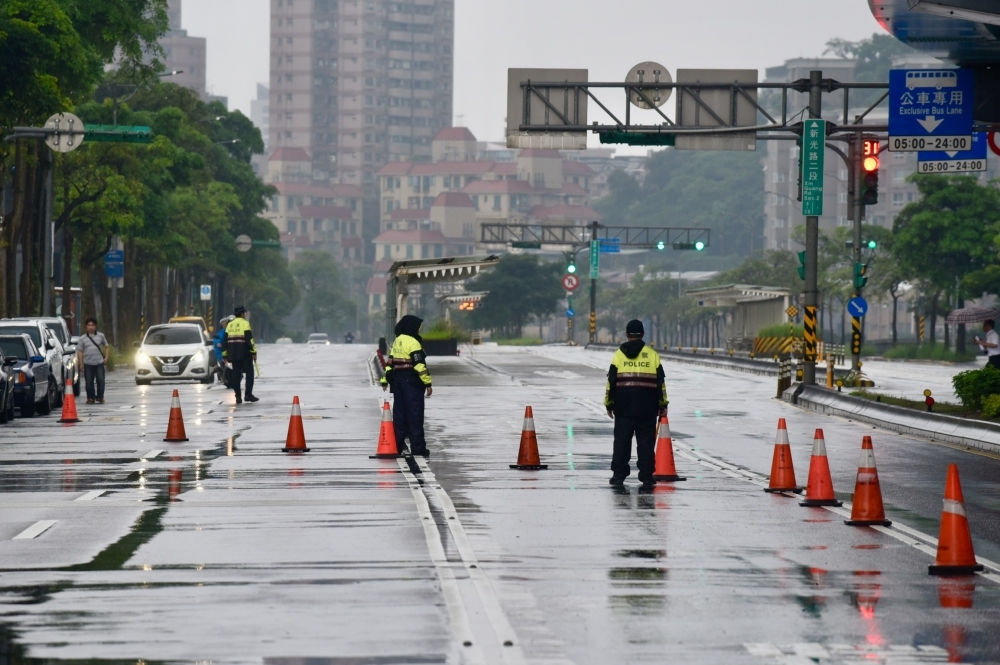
(239, 400)
(252, 398)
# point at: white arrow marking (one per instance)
(930, 123)
(951, 154)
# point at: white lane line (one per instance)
(457, 614)
(509, 643)
(151, 454)
(35, 530)
(904, 534)
(90, 496)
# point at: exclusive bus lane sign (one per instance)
(930, 110)
(951, 161)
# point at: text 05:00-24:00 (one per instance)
(936, 143)
(956, 166)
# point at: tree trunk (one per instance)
(933, 317)
(67, 276)
(895, 308)
(960, 333)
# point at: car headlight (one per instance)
(20, 377)
(199, 356)
(141, 357)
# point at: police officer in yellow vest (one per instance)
(239, 350)
(636, 395)
(406, 374)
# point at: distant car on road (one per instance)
(7, 373)
(284, 340)
(174, 351)
(318, 338)
(46, 343)
(34, 386)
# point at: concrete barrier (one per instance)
(705, 359)
(977, 434)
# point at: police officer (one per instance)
(636, 395)
(406, 374)
(240, 351)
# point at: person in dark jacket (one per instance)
(636, 395)
(407, 376)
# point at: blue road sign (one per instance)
(570, 312)
(930, 109)
(857, 307)
(953, 161)
(611, 246)
(114, 264)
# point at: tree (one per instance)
(519, 287)
(325, 300)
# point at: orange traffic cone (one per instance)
(782, 471)
(387, 448)
(954, 552)
(665, 471)
(527, 455)
(819, 490)
(69, 405)
(295, 441)
(867, 508)
(175, 426)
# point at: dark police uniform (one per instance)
(636, 393)
(407, 377)
(239, 349)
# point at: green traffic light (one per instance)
(872, 244)
(661, 245)
(571, 268)
(699, 245)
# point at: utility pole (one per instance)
(856, 153)
(812, 250)
(593, 283)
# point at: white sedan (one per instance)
(173, 351)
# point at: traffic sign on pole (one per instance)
(570, 312)
(610, 245)
(244, 243)
(571, 282)
(206, 291)
(114, 264)
(69, 134)
(857, 307)
(595, 254)
(811, 159)
(955, 161)
(930, 109)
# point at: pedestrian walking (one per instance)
(92, 353)
(636, 395)
(241, 353)
(218, 346)
(991, 345)
(407, 377)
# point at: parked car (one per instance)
(34, 384)
(46, 343)
(318, 338)
(174, 351)
(58, 326)
(7, 373)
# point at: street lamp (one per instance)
(229, 142)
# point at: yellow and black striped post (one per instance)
(856, 341)
(922, 327)
(809, 333)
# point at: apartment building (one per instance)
(185, 54)
(359, 83)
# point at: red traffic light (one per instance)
(870, 164)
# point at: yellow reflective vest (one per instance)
(237, 343)
(636, 383)
(406, 361)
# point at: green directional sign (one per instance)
(811, 161)
(118, 134)
(595, 256)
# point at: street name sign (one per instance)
(610, 245)
(114, 264)
(857, 307)
(955, 161)
(206, 291)
(118, 134)
(811, 160)
(595, 254)
(930, 109)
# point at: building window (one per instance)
(897, 199)
(386, 252)
(425, 251)
(496, 203)
(438, 251)
(409, 251)
(293, 226)
(388, 205)
(377, 300)
(317, 225)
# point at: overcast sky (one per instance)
(607, 37)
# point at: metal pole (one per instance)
(859, 213)
(114, 311)
(593, 289)
(47, 242)
(812, 244)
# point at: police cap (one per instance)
(239, 309)
(634, 327)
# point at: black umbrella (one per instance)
(973, 314)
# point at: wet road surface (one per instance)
(225, 549)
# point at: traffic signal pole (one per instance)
(811, 294)
(857, 154)
(593, 290)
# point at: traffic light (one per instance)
(860, 275)
(571, 268)
(872, 244)
(869, 173)
(661, 245)
(697, 246)
(802, 268)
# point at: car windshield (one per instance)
(57, 330)
(171, 335)
(13, 348)
(30, 331)
(318, 337)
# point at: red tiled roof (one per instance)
(498, 187)
(383, 266)
(290, 155)
(573, 189)
(564, 212)
(413, 236)
(352, 242)
(455, 134)
(347, 190)
(540, 153)
(302, 189)
(452, 168)
(453, 200)
(573, 167)
(293, 240)
(376, 284)
(326, 212)
(505, 168)
(410, 213)
(395, 168)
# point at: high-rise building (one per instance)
(183, 53)
(260, 114)
(359, 83)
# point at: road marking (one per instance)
(151, 454)
(457, 613)
(90, 496)
(904, 534)
(811, 652)
(35, 530)
(509, 642)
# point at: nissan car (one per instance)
(172, 352)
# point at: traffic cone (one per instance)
(387, 448)
(295, 441)
(527, 455)
(782, 471)
(175, 426)
(954, 552)
(665, 471)
(69, 405)
(819, 490)
(867, 508)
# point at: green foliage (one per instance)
(991, 406)
(519, 287)
(446, 330)
(521, 341)
(780, 330)
(775, 267)
(927, 351)
(919, 405)
(974, 385)
(317, 275)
